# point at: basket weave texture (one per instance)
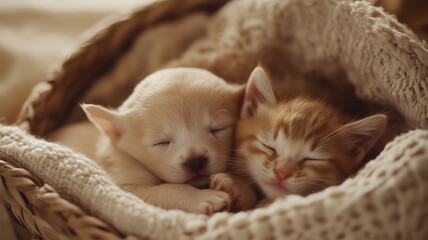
(382, 59)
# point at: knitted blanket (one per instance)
(384, 61)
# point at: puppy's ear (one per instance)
(258, 92)
(107, 121)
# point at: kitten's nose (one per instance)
(282, 174)
(284, 169)
(196, 163)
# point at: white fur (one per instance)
(169, 118)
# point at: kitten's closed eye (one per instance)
(312, 161)
(162, 144)
(272, 150)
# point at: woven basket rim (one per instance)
(42, 200)
(40, 105)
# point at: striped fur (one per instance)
(299, 146)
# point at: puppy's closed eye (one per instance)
(216, 130)
(162, 144)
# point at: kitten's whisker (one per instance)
(309, 190)
(328, 179)
(315, 180)
(323, 185)
(312, 183)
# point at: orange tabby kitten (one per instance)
(298, 146)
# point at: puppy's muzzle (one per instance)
(195, 164)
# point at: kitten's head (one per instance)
(299, 146)
(178, 122)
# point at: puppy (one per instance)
(173, 132)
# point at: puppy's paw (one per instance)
(211, 201)
(223, 182)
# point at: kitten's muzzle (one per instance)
(282, 175)
(195, 164)
(284, 170)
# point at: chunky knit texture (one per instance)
(385, 62)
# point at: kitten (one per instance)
(298, 146)
(173, 132)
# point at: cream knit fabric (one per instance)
(385, 62)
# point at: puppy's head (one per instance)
(178, 122)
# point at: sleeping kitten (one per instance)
(169, 136)
(299, 146)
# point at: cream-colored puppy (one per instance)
(169, 136)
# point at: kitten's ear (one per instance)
(258, 91)
(107, 121)
(360, 136)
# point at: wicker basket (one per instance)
(38, 211)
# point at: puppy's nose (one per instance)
(196, 163)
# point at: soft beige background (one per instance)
(34, 35)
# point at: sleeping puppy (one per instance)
(162, 144)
